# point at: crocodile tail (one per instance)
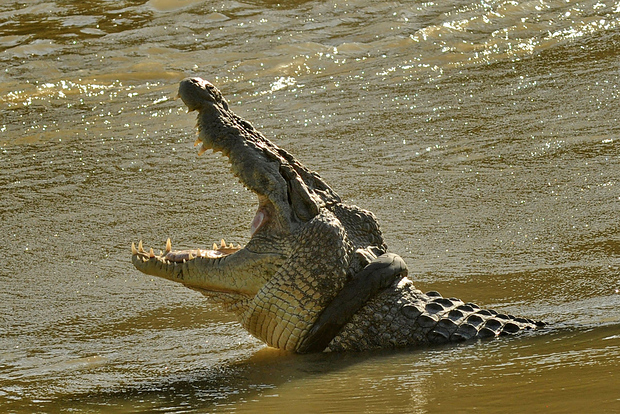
(451, 320)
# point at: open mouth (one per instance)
(182, 256)
(262, 168)
(201, 96)
(170, 256)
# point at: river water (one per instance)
(484, 134)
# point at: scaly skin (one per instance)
(310, 278)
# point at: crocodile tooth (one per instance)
(151, 253)
(214, 246)
(203, 149)
(191, 256)
(198, 141)
(223, 244)
(140, 247)
(161, 253)
(168, 246)
(133, 248)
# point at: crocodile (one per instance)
(316, 274)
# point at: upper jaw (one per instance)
(254, 160)
(296, 193)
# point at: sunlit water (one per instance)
(484, 135)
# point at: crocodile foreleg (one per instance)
(379, 274)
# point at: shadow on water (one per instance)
(258, 376)
(414, 379)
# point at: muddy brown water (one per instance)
(484, 135)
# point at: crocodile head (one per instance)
(304, 242)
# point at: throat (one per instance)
(259, 220)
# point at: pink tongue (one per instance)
(258, 220)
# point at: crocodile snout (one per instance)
(195, 92)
